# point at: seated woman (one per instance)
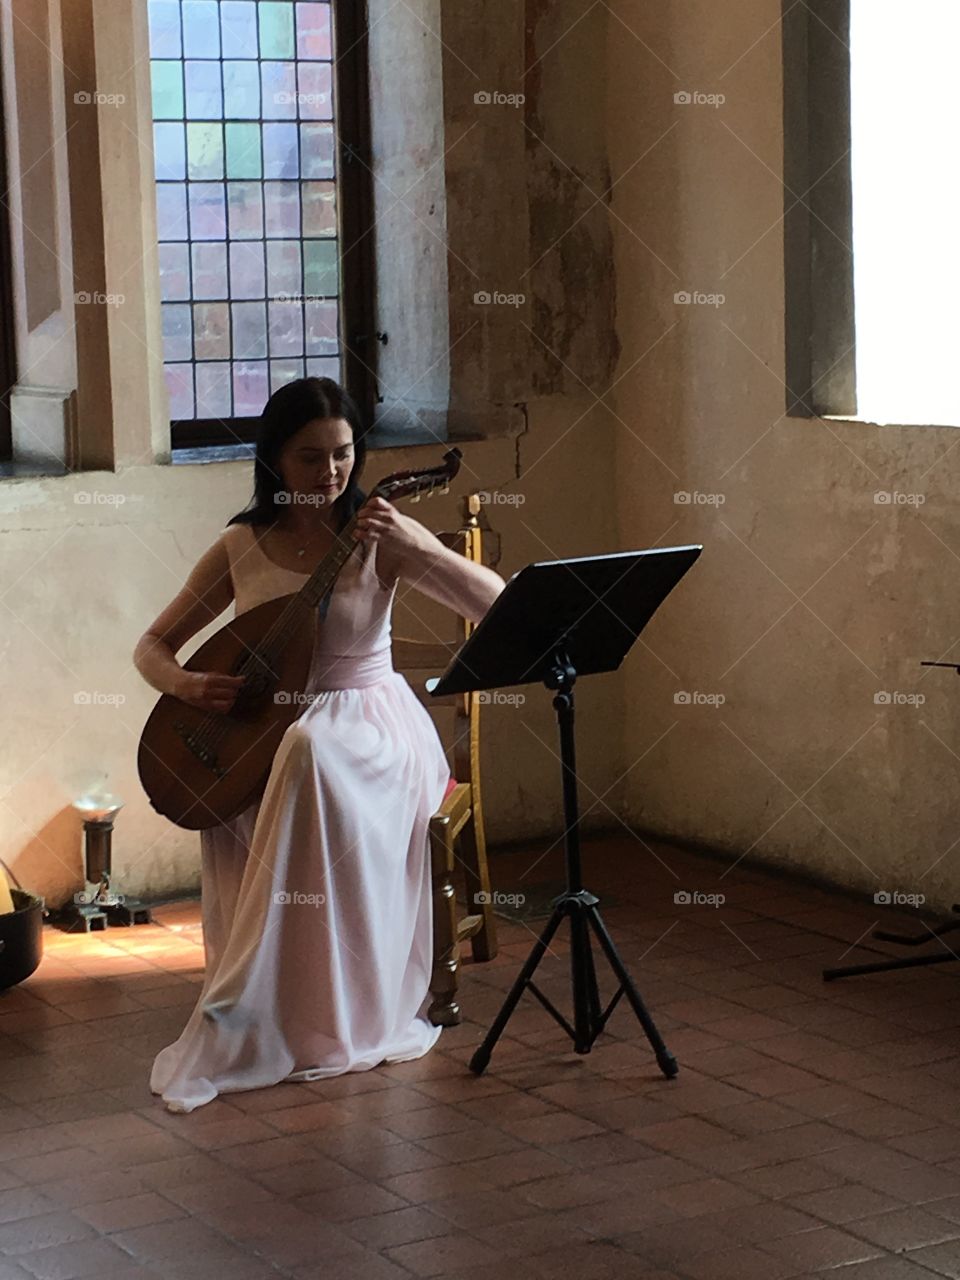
(316, 906)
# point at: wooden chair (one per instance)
(456, 829)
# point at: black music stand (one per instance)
(554, 621)
(906, 939)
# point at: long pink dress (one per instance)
(316, 904)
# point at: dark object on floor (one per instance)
(21, 938)
(904, 962)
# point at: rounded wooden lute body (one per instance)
(201, 768)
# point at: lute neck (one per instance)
(324, 576)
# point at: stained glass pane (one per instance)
(284, 371)
(243, 151)
(204, 96)
(247, 215)
(174, 272)
(279, 92)
(316, 98)
(280, 151)
(241, 90)
(319, 210)
(211, 330)
(207, 218)
(238, 26)
(316, 151)
(201, 28)
(283, 268)
(247, 275)
(249, 329)
(164, 16)
(276, 30)
(167, 82)
(209, 269)
(282, 208)
(204, 151)
(313, 31)
(320, 268)
(249, 387)
(213, 391)
(176, 331)
(171, 211)
(179, 379)
(321, 328)
(245, 202)
(169, 151)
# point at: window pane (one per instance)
(279, 80)
(283, 268)
(244, 200)
(164, 16)
(276, 30)
(321, 328)
(211, 331)
(206, 211)
(243, 151)
(238, 26)
(176, 331)
(280, 151)
(320, 268)
(247, 275)
(171, 211)
(316, 150)
(284, 371)
(204, 151)
(249, 329)
(204, 97)
(169, 151)
(313, 31)
(316, 98)
(282, 208)
(241, 90)
(249, 387)
(319, 210)
(179, 379)
(213, 391)
(201, 29)
(174, 272)
(286, 329)
(167, 81)
(323, 368)
(210, 270)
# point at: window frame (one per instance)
(355, 242)
(8, 350)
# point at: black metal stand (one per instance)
(578, 906)
(902, 940)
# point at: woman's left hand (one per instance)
(380, 521)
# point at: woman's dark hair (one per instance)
(289, 409)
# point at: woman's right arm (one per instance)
(204, 596)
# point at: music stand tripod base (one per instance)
(546, 626)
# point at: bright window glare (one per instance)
(906, 196)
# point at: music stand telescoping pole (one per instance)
(555, 621)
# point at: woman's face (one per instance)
(315, 464)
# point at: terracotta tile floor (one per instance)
(813, 1128)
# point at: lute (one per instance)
(201, 768)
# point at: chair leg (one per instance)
(473, 855)
(444, 1010)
